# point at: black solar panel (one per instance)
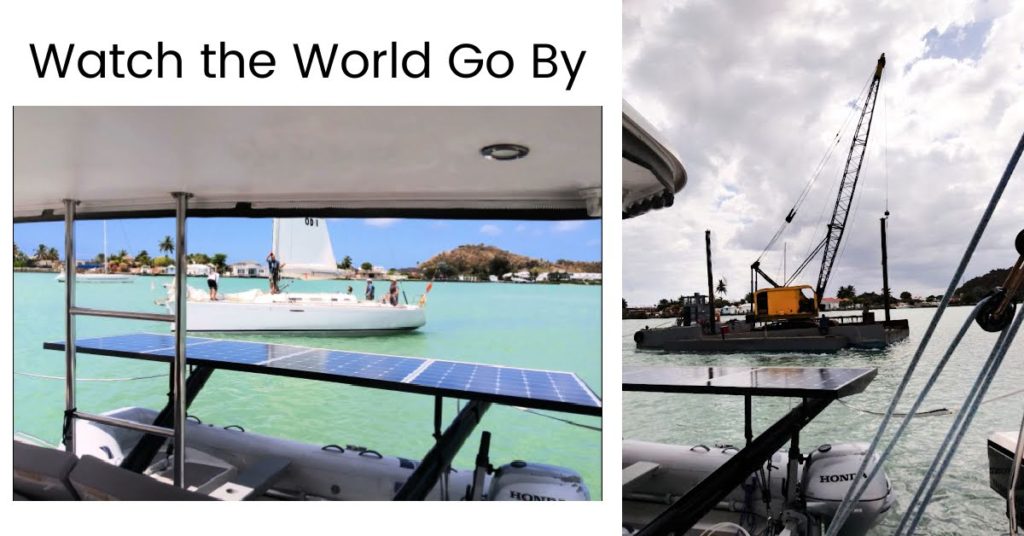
(539, 389)
(808, 382)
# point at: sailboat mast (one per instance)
(106, 262)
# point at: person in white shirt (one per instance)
(211, 281)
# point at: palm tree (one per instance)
(346, 263)
(721, 288)
(220, 260)
(41, 251)
(52, 254)
(167, 245)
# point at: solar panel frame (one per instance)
(378, 371)
(835, 382)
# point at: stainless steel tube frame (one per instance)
(180, 309)
(123, 423)
(69, 324)
(130, 315)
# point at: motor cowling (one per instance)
(522, 481)
(829, 473)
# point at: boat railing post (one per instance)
(180, 333)
(69, 325)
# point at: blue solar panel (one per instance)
(540, 389)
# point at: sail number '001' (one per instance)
(313, 222)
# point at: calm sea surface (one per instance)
(963, 504)
(538, 326)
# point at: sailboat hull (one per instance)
(354, 318)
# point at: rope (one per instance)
(937, 412)
(724, 525)
(929, 413)
(956, 432)
(559, 419)
(45, 377)
(854, 493)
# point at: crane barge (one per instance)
(785, 317)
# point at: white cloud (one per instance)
(567, 226)
(520, 228)
(381, 222)
(490, 229)
(750, 94)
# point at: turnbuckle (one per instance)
(997, 312)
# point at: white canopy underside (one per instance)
(655, 168)
(126, 161)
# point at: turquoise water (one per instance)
(963, 504)
(554, 327)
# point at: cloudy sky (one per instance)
(751, 94)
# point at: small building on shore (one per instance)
(197, 270)
(832, 304)
(248, 269)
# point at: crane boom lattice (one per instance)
(848, 185)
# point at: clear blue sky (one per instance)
(393, 243)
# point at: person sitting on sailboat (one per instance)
(369, 289)
(211, 280)
(274, 266)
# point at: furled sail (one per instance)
(303, 246)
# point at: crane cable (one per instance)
(817, 173)
(855, 204)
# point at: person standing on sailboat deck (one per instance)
(369, 289)
(393, 292)
(274, 266)
(211, 280)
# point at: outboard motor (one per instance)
(521, 481)
(830, 471)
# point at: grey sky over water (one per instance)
(751, 94)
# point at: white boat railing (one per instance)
(177, 396)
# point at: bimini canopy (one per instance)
(651, 173)
(446, 162)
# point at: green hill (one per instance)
(482, 260)
(975, 289)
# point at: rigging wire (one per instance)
(856, 490)
(956, 432)
(559, 419)
(937, 412)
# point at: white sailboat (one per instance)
(103, 277)
(303, 246)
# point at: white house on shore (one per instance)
(197, 270)
(248, 269)
(832, 304)
(585, 276)
(741, 309)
